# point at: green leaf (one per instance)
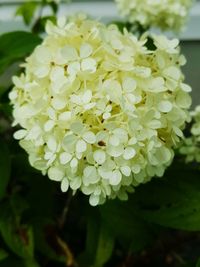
(105, 246)
(6, 81)
(54, 7)
(3, 254)
(99, 241)
(15, 46)
(27, 10)
(126, 225)
(172, 201)
(18, 238)
(42, 227)
(198, 263)
(31, 263)
(18, 205)
(5, 167)
(39, 26)
(12, 262)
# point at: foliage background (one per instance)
(40, 226)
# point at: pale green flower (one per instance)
(98, 111)
(164, 14)
(190, 146)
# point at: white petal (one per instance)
(52, 144)
(129, 85)
(186, 87)
(65, 157)
(126, 170)
(131, 98)
(56, 174)
(165, 106)
(65, 116)
(51, 113)
(129, 153)
(106, 115)
(58, 103)
(74, 163)
(20, 134)
(89, 137)
(114, 140)
(13, 95)
(64, 185)
(99, 156)
(94, 200)
(74, 68)
(121, 134)
(89, 106)
(75, 183)
(49, 125)
(42, 71)
(61, 21)
(81, 146)
(115, 151)
(48, 155)
(43, 54)
(104, 173)
(88, 64)
(77, 127)
(76, 99)
(69, 142)
(85, 50)
(115, 178)
(87, 96)
(57, 73)
(69, 53)
(90, 175)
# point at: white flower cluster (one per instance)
(164, 14)
(99, 111)
(191, 145)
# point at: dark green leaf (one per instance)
(105, 246)
(27, 10)
(15, 46)
(54, 7)
(198, 263)
(6, 79)
(42, 227)
(124, 222)
(31, 263)
(18, 205)
(173, 201)
(19, 238)
(12, 262)
(3, 254)
(39, 26)
(99, 242)
(5, 165)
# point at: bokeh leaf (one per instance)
(5, 167)
(18, 238)
(173, 201)
(3, 254)
(27, 10)
(105, 246)
(125, 224)
(15, 46)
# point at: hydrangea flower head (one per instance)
(190, 147)
(164, 14)
(100, 112)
